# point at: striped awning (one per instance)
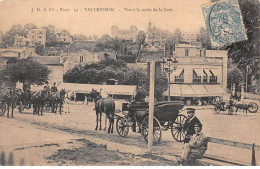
(199, 72)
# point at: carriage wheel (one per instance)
(177, 128)
(216, 110)
(122, 127)
(2, 108)
(157, 132)
(252, 107)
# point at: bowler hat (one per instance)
(190, 110)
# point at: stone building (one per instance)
(64, 36)
(200, 74)
(129, 34)
(37, 36)
(189, 37)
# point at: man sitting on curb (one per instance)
(196, 148)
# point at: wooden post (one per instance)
(151, 107)
(253, 162)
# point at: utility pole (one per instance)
(151, 106)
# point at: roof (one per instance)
(186, 46)
(47, 60)
(110, 89)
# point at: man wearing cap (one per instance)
(189, 124)
(196, 148)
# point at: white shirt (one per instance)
(103, 94)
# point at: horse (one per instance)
(9, 97)
(57, 99)
(38, 101)
(106, 105)
(67, 101)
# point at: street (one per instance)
(45, 140)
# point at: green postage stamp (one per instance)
(224, 23)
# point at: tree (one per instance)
(27, 70)
(247, 52)
(140, 39)
(235, 76)
(8, 37)
(39, 48)
(203, 38)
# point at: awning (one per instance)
(110, 89)
(215, 72)
(195, 90)
(207, 72)
(199, 72)
(215, 90)
(177, 72)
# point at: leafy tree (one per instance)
(247, 52)
(140, 39)
(8, 37)
(203, 38)
(27, 70)
(235, 76)
(39, 48)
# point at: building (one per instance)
(21, 41)
(55, 65)
(81, 57)
(190, 37)
(37, 36)
(64, 36)
(19, 53)
(115, 91)
(129, 34)
(8, 53)
(200, 74)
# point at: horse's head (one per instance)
(62, 92)
(94, 94)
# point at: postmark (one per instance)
(224, 23)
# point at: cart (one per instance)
(166, 116)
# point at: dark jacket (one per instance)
(189, 127)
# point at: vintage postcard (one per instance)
(129, 83)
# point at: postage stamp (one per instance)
(224, 23)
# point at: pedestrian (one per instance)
(196, 148)
(189, 124)
(54, 88)
(103, 94)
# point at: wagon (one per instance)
(166, 116)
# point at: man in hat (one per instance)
(54, 88)
(189, 124)
(196, 148)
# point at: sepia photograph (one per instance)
(129, 83)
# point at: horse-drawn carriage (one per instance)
(233, 106)
(166, 116)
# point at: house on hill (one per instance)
(81, 57)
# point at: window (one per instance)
(81, 59)
(186, 52)
(196, 78)
(180, 78)
(204, 53)
(200, 53)
(213, 79)
(40, 36)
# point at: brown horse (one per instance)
(106, 105)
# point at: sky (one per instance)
(183, 14)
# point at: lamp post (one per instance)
(170, 62)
